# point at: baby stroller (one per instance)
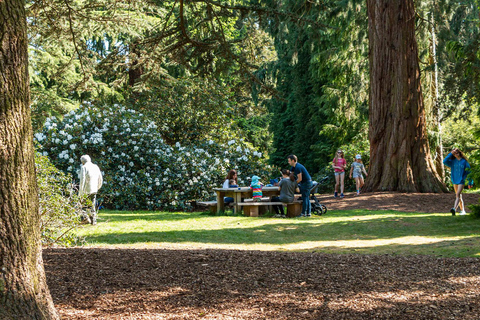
(317, 207)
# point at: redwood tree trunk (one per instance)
(400, 157)
(23, 290)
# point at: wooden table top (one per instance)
(244, 189)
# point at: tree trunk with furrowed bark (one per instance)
(400, 157)
(23, 289)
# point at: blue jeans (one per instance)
(305, 191)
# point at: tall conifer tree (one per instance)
(23, 289)
(399, 152)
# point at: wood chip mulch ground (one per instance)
(94, 283)
(406, 202)
(224, 284)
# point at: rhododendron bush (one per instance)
(140, 170)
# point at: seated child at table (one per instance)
(256, 187)
(232, 184)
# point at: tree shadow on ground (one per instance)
(122, 216)
(467, 247)
(296, 231)
(226, 284)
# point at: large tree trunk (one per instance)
(23, 290)
(399, 152)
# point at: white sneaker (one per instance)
(463, 213)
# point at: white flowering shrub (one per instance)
(140, 170)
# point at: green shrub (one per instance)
(140, 169)
(59, 204)
(475, 208)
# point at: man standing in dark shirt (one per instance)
(304, 181)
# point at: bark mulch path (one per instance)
(407, 202)
(228, 284)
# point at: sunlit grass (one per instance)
(352, 231)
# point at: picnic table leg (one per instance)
(220, 203)
(238, 199)
(254, 211)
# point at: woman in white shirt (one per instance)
(231, 177)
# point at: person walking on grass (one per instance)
(356, 171)
(339, 164)
(304, 181)
(460, 168)
(91, 181)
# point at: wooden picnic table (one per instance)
(240, 193)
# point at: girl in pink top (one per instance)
(339, 164)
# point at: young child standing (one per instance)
(256, 187)
(339, 164)
(356, 171)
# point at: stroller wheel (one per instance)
(324, 209)
(318, 211)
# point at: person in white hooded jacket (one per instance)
(91, 181)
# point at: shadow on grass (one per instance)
(123, 216)
(305, 230)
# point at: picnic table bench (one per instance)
(252, 209)
(212, 205)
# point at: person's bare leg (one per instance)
(337, 182)
(357, 183)
(342, 183)
(458, 196)
(362, 182)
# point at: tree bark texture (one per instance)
(23, 290)
(400, 157)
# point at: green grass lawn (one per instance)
(352, 231)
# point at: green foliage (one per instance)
(475, 208)
(59, 204)
(458, 55)
(256, 130)
(323, 80)
(73, 43)
(140, 169)
(187, 109)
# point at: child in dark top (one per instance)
(287, 187)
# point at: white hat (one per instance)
(358, 156)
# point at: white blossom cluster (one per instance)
(140, 170)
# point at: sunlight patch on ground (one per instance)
(306, 245)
